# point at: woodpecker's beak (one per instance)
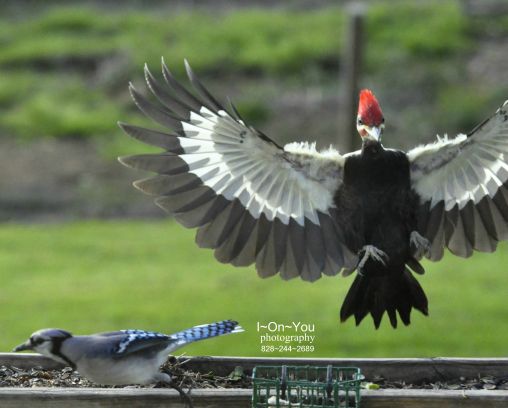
(374, 132)
(24, 346)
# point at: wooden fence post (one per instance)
(352, 63)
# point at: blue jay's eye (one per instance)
(35, 341)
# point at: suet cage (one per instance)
(306, 387)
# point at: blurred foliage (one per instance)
(254, 110)
(491, 26)
(249, 40)
(59, 112)
(63, 70)
(423, 30)
(74, 62)
(463, 105)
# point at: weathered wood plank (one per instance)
(119, 397)
(152, 398)
(411, 370)
(434, 399)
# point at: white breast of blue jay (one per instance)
(124, 357)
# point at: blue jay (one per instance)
(120, 357)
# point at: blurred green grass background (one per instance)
(98, 276)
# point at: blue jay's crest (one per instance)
(54, 333)
(205, 331)
(135, 336)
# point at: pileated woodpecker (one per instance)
(300, 212)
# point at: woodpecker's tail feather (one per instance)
(205, 331)
(392, 293)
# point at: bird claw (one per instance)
(370, 251)
(186, 399)
(419, 244)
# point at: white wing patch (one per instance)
(236, 163)
(465, 168)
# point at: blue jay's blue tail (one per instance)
(206, 331)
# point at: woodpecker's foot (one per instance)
(420, 246)
(370, 251)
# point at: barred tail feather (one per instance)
(206, 331)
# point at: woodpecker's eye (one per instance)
(359, 121)
(382, 120)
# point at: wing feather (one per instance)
(499, 221)
(237, 239)
(457, 241)
(483, 241)
(161, 116)
(181, 92)
(173, 104)
(334, 249)
(462, 188)
(206, 96)
(255, 242)
(201, 215)
(236, 213)
(485, 213)
(251, 200)
(165, 184)
(209, 235)
(310, 271)
(152, 137)
(289, 269)
(316, 248)
(269, 260)
(185, 201)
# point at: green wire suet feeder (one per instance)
(306, 387)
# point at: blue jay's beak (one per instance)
(24, 346)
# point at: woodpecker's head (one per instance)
(45, 341)
(370, 121)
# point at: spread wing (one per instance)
(463, 188)
(251, 200)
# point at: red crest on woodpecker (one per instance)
(369, 110)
